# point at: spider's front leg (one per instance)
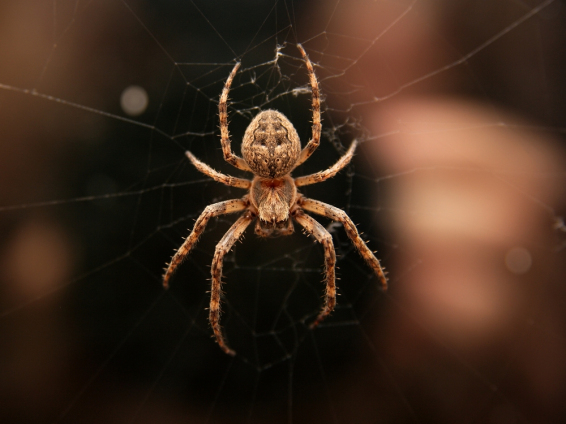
(222, 248)
(339, 215)
(210, 211)
(325, 239)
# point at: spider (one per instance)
(271, 150)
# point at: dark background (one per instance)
(94, 203)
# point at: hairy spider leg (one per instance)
(222, 248)
(339, 215)
(218, 176)
(325, 239)
(229, 157)
(321, 176)
(316, 122)
(220, 208)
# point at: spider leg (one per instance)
(229, 157)
(210, 211)
(316, 125)
(330, 172)
(222, 248)
(325, 239)
(217, 176)
(339, 215)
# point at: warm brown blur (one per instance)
(476, 326)
(471, 215)
(470, 182)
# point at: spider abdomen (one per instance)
(271, 145)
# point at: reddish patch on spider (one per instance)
(272, 183)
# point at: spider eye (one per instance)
(262, 142)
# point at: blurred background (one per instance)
(458, 184)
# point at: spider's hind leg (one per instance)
(316, 122)
(229, 156)
(218, 176)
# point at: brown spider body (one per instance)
(271, 149)
(273, 199)
(271, 145)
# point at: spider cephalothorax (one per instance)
(273, 199)
(271, 149)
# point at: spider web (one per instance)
(459, 108)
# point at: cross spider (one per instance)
(271, 149)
